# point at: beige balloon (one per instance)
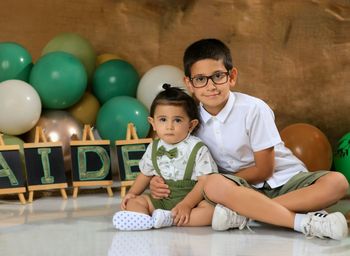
(86, 109)
(59, 125)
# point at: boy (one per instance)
(260, 178)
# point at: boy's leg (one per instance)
(325, 191)
(253, 204)
(247, 202)
(201, 215)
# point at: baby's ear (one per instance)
(151, 121)
(193, 124)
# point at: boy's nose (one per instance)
(211, 85)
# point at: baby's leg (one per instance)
(201, 215)
(140, 204)
(137, 215)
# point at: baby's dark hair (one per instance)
(206, 49)
(177, 97)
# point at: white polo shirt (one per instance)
(246, 125)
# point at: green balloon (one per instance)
(76, 45)
(15, 62)
(114, 116)
(60, 80)
(342, 156)
(115, 78)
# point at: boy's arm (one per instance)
(181, 212)
(263, 168)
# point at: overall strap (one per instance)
(154, 156)
(191, 161)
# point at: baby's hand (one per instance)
(181, 214)
(125, 200)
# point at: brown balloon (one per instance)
(309, 144)
(58, 125)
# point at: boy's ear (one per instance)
(188, 84)
(193, 124)
(151, 121)
(233, 78)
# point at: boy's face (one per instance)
(213, 96)
(172, 123)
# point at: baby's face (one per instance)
(171, 123)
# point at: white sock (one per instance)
(298, 220)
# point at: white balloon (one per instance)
(152, 81)
(20, 107)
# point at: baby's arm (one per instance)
(141, 183)
(181, 212)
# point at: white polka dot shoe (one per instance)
(127, 220)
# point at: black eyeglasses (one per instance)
(217, 78)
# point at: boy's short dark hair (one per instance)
(177, 97)
(206, 49)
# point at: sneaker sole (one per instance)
(131, 221)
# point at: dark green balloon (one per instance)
(342, 156)
(15, 62)
(115, 78)
(114, 116)
(60, 80)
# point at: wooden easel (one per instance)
(41, 140)
(18, 190)
(131, 136)
(88, 136)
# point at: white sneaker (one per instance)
(331, 225)
(224, 219)
(162, 218)
(127, 220)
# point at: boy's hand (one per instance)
(181, 214)
(159, 189)
(125, 200)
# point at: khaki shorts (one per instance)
(300, 180)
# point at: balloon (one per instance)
(115, 78)
(59, 125)
(15, 62)
(102, 58)
(342, 156)
(20, 107)
(76, 45)
(152, 81)
(309, 144)
(115, 114)
(60, 79)
(86, 109)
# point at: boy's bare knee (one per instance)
(336, 183)
(216, 187)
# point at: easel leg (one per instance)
(21, 198)
(75, 192)
(31, 195)
(122, 191)
(109, 191)
(63, 193)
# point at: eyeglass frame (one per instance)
(227, 73)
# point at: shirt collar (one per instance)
(223, 114)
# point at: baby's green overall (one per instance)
(180, 188)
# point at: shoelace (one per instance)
(243, 224)
(317, 229)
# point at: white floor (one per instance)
(82, 226)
